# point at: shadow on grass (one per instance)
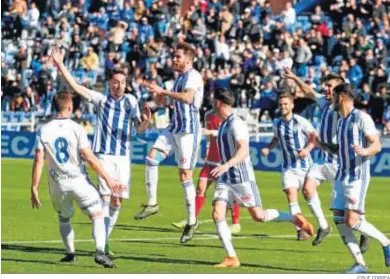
(52, 250)
(210, 264)
(198, 244)
(44, 262)
(33, 249)
(153, 258)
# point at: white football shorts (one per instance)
(118, 167)
(350, 195)
(246, 194)
(321, 172)
(185, 146)
(64, 192)
(293, 178)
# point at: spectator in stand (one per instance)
(90, 64)
(355, 74)
(303, 55)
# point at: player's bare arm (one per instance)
(306, 151)
(91, 159)
(332, 148)
(374, 148)
(58, 58)
(306, 89)
(274, 142)
(146, 118)
(186, 97)
(36, 177)
(241, 154)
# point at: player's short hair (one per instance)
(225, 95)
(187, 49)
(116, 71)
(345, 89)
(333, 76)
(62, 99)
(287, 95)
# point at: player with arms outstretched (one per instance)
(236, 178)
(65, 146)
(357, 140)
(212, 160)
(291, 132)
(182, 136)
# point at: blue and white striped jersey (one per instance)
(114, 123)
(230, 132)
(353, 130)
(185, 117)
(328, 128)
(293, 137)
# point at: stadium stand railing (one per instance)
(15, 120)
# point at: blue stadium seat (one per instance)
(5, 116)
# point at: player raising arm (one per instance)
(325, 167)
(357, 140)
(65, 145)
(117, 114)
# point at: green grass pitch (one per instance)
(31, 241)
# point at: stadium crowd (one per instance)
(239, 44)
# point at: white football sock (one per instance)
(225, 236)
(277, 216)
(151, 170)
(189, 196)
(314, 204)
(294, 210)
(349, 239)
(114, 213)
(67, 235)
(369, 230)
(98, 233)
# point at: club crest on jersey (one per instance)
(127, 105)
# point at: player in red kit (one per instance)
(205, 179)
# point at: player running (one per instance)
(325, 167)
(357, 140)
(236, 178)
(65, 146)
(117, 115)
(291, 133)
(182, 137)
(213, 159)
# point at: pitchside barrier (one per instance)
(21, 145)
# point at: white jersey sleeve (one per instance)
(307, 127)
(83, 141)
(367, 124)
(195, 82)
(240, 130)
(95, 97)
